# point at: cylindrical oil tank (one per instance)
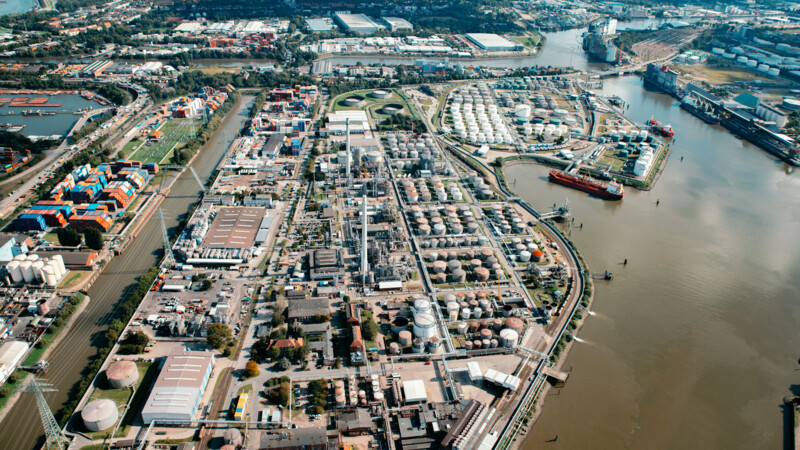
(424, 230)
(477, 312)
(524, 256)
(450, 298)
(424, 326)
(468, 345)
(404, 338)
(439, 266)
(338, 384)
(340, 391)
(418, 346)
(453, 265)
(486, 333)
(496, 325)
(477, 344)
(537, 256)
(452, 255)
(122, 374)
(100, 414)
(399, 323)
(486, 253)
(509, 337)
(458, 276)
(482, 274)
(434, 346)
(475, 263)
(27, 271)
(466, 313)
(439, 229)
(49, 277)
(493, 343)
(394, 348)
(515, 324)
(452, 311)
(422, 306)
(486, 343)
(378, 396)
(37, 270)
(15, 271)
(462, 328)
(441, 278)
(474, 326)
(506, 310)
(340, 400)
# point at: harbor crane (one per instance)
(54, 437)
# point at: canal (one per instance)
(693, 344)
(69, 359)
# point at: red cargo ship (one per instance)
(613, 191)
(665, 130)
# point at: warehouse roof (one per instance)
(414, 391)
(234, 227)
(179, 384)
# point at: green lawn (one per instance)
(175, 134)
(148, 372)
(74, 278)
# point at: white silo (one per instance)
(452, 311)
(19, 258)
(49, 277)
(27, 271)
(32, 258)
(56, 270)
(14, 271)
(60, 260)
(422, 306)
(37, 266)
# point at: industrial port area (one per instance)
(332, 251)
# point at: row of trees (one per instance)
(68, 237)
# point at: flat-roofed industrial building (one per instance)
(179, 387)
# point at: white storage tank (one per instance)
(14, 271)
(27, 271)
(763, 68)
(56, 270)
(100, 415)
(424, 326)
(49, 277)
(522, 111)
(37, 269)
(774, 71)
(422, 306)
(509, 337)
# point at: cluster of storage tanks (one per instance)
(32, 268)
(524, 250)
(343, 391)
(102, 414)
(492, 333)
(418, 191)
(479, 187)
(760, 62)
(506, 218)
(485, 125)
(407, 146)
(644, 161)
(422, 337)
(431, 221)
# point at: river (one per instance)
(22, 425)
(693, 344)
(15, 6)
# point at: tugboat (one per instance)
(612, 191)
(665, 130)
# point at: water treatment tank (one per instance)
(100, 414)
(424, 326)
(122, 374)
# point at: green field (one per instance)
(175, 133)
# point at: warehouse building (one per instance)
(179, 387)
(397, 23)
(357, 23)
(326, 264)
(312, 438)
(11, 354)
(491, 42)
(320, 25)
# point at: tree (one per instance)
(251, 369)
(68, 237)
(207, 285)
(281, 395)
(134, 343)
(284, 364)
(260, 350)
(218, 335)
(369, 328)
(94, 238)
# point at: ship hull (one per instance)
(711, 120)
(583, 185)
